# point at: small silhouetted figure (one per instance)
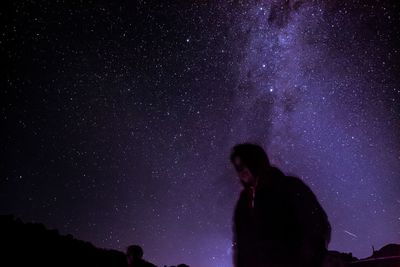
(134, 256)
(278, 220)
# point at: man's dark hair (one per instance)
(252, 156)
(135, 251)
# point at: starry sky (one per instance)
(118, 117)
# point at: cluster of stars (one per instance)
(119, 120)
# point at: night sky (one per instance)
(117, 118)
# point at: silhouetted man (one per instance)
(134, 255)
(278, 220)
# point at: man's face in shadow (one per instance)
(245, 176)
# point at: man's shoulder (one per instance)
(296, 185)
(295, 181)
(300, 192)
(283, 179)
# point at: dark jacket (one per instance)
(142, 263)
(283, 225)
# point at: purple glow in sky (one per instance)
(119, 118)
(331, 105)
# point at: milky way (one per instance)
(119, 119)
(332, 110)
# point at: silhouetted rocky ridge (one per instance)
(31, 244)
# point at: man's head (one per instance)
(250, 161)
(134, 253)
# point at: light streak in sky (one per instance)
(349, 233)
